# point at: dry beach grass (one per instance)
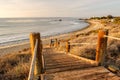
(15, 66)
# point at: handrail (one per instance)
(31, 73)
(112, 37)
(83, 43)
(43, 63)
(88, 36)
(101, 45)
(80, 37)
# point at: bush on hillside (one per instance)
(15, 66)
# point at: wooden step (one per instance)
(94, 73)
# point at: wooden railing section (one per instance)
(101, 46)
(32, 67)
(37, 64)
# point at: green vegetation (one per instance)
(109, 17)
(117, 20)
(103, 17)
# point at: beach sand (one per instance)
(14, 48)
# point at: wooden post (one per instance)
(101, 49)
(51, 42)
(56, 43)
(67, 47)
(38, 64)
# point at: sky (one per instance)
(59, 8)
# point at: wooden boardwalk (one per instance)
(61, 66)
(59, 62)
(96, 73)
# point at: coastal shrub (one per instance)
(118, 62)
(113, 52)
(74, 50)
(110, 17)
(103, 17)
(84, 51)
(117, 20)
(19, 72)
(15, 66)
(88, 52)
(62, 46)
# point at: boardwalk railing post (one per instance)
(38, 63)
(67, 47)
(51, 42)
(56, 43)
(101, 49)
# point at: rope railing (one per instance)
(101, 46)
(32, 66)
(55, 42)
(79, 44)
(43, 61)
(89, 37)
(112, 37)
(73, 44)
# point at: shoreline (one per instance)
(43, 37)
(24, 45)
(69, 33)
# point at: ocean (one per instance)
(18, 29)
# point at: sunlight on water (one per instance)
(14, 29)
